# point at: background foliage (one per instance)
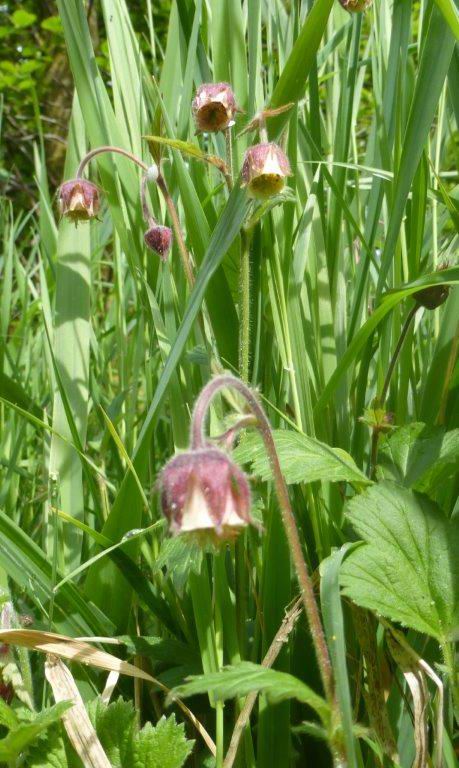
(103, 350)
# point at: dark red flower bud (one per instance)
(214, 107)
(264, 170)
(435, 296)
(355, 6)
(204, 490)
(79, 200)
(159, 239)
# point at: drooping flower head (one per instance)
(355, 6)
(203, 490)
(265, 168)
(159, 240)
(79, 200)
(214, 107)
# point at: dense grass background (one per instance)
(103, 349)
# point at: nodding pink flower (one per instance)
(159, 239)
(214, 107)
(79, 200)
(265, 168)
(355, 6)
(203, 490)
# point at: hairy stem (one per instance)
(304, 580)
(186, 259)
(244, 307)
(107, 148)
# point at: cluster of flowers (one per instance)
(264, 171)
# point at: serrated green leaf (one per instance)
(26, 733)
(245, 678)
(303, 459)
(48, 751)
(407, 569)
(419, 456)
(8, 716)
(115, 727)
(164, 745)
(180, 556)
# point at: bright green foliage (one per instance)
(104, 349)
(165, 745)
(25, 727)
(180, 556)
(162, 745)
(302, 459)
(49, 750)
(420, 456)
(407, 569)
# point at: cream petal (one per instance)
(196, 513)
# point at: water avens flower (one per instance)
(214, 107)
(203, 490)
(355, 6)
(265, 168)
(159, 240)
(79, 200)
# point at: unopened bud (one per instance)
(265, 168)
(214, 107)
(79, 200)
(159, 239)
(435, 296)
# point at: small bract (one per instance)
(265, 168)
(214, 107)
(79, 200)
(205, 491)
(159, 239)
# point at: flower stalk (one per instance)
(244, 307)
(198, 441)
(186, 258)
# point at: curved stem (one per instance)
(147, 214)
(186, 259)
(304, 580)
(107, 148)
